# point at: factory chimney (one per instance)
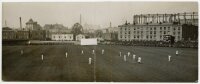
(5, 23)
(110, 25)
(20, 22)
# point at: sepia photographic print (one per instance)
(100, 41)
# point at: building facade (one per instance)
(190, 32)
(79, 37)
(152, 27)
(32, 25)
(151, 32)
(62, 37)
(110, 33)
(38, 35)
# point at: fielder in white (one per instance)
(90, 60)
(177, 53)
(82, 52)
(102, 51)
(29, 42)
(66, 54)
(42, 57)
(120, 54)
(134, 56)
(22, 52)
(129, 53)
(125, 58)
(139, 59)
(92, 51)
(169, 58)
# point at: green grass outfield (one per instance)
(108, 67)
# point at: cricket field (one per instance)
(107, 67)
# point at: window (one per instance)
(164, 28)
(164, 32)
(179, 33)
(150, 32)
(154, 28)
(179, 28)
(160, 28)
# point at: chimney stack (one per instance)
(110, 25)
(20, 22)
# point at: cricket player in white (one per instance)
(42, 56)
(92, 51)
(125, 58)
(139, 59)
(82, 52)
(129, 53)
(176, 52)
(102, 51)
(66, 54)
(29, 42)
(169, 58)
(90, 60)
(120, 54)
(22, 52)
(134, 56)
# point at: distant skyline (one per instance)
(95, 13)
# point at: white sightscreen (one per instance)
(91, 41)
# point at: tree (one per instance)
(76, 29)
(99, 33)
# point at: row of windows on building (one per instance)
(148, 36)
(18, 37)
(61, 37)
(150, 32)
(152, 28)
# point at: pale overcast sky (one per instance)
(96, 13)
